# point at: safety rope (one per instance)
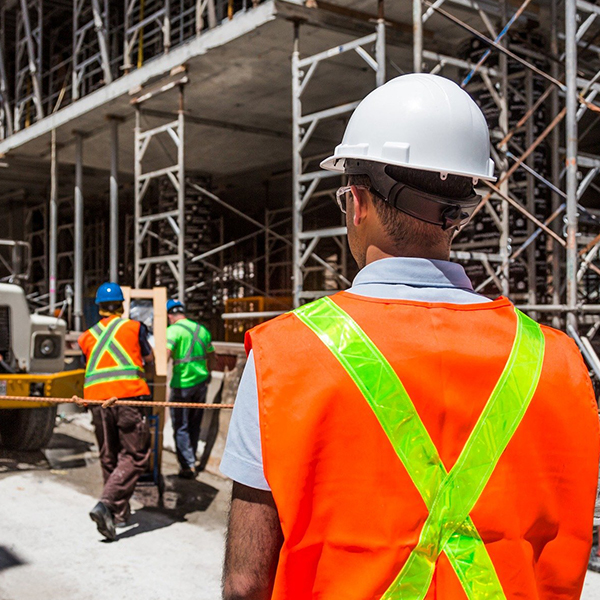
(113, 402)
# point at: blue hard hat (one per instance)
(171, 304)
(109, 292)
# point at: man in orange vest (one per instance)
(409, 438)
(117, 351)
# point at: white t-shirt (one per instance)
(417, 279)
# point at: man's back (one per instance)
(189, 343)
(350, 527)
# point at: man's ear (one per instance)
(360, 204)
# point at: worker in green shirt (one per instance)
(190, 348)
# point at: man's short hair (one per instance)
(111, 307)
(403, 228)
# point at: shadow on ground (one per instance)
(8, 559)
(15, 461)
(180, 498)
(63, 452)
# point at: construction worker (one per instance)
(190, 347)
(117, 353)
(409, 438)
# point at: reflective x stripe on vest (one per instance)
(449, 497)
(190, 356)
(106, 341)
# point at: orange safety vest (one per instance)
(370, 502)
(114, 365)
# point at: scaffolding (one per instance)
(532, 66)
(306, 176)
(146, 219)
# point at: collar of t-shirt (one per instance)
(418, 279)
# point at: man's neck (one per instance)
(178, 318)
(375, 253)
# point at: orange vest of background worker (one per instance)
(114, 364)
(359, 513)
(116, 351)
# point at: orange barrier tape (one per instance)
(114, 402)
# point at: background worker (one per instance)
(117, 353)
(190, 347)
(409, 438)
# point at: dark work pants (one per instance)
(186, 423)
(124, 441)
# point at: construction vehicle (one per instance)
(31, 364)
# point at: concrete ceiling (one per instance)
(238, 99)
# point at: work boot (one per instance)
(187, 473)
(103, 518)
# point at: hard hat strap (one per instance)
(447, 213)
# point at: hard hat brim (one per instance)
(336, 164)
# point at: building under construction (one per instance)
(177, 142)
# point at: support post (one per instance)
(503, 122)
(556, 166)
(380, 45)
(33, 70)
(417, 36)
(100, 27)
(53, 225)
(571, 157)
(78, 234)
(114, 200)
(137, 250)
(181, 196)
(296, 171)
(530, 193)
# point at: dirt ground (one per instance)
(50, 549)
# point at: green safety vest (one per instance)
(449, 496)
(189, 359)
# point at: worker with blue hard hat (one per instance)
(109, 292)
(171, 304)
(190, 348)
(118, 357)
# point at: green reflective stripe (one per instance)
(124, 368)
(385, 393)
(101, 343)
(189, 356)
(392, 406)
(181, 361)
(383, 390)
(109, 375)
(488, 440)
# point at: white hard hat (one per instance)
(422, 122)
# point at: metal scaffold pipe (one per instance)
(114, 200)
(556, 166)
(417, 36)
(297, 169)
(53, 224)
(78, 249)
(572, 105)
(380, 45)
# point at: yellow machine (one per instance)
(31, 364)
